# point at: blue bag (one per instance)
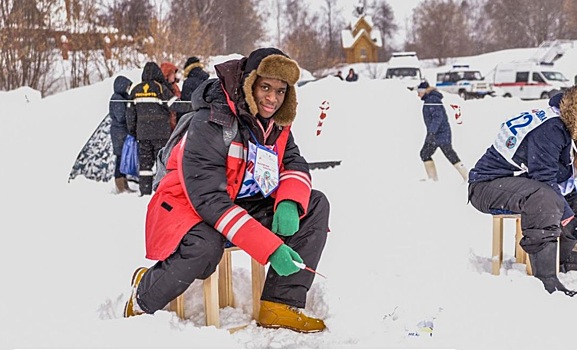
(129, 159)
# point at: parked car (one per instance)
(465, 82)
(406, 67)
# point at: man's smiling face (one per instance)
(269, 95)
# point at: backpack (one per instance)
(228, 134)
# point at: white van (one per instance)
(464, 81)
(406, 67)
(527, 80)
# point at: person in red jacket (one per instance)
(213, 194)
(169, 71)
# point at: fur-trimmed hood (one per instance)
(190, 67)
(568, 109)
(238, 77)
(431, 92)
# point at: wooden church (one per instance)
(361, 40)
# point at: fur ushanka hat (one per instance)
(567, 104)
(274, 64)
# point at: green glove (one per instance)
(285, 221)
(282, 258)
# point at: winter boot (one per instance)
(145, 184)
(544, 265)
(276, 315)
(131, 308)
(462, 170)
(568, 249)
(431, 170)
(128, 189)
(120, 185)
(570, 264)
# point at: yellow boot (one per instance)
(130, 309)
(276, 315)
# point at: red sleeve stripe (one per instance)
(227, 218)
(232, 221)
(237, 226)
(300, 176)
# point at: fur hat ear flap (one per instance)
(288, 111)
(247, 89)
(568, 108)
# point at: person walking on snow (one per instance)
(118, 128)
(209, 195)
(528, 170)
(438, 132)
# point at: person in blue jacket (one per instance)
(529, 170)
(438, 132)
(118, 128)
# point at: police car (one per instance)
(464, 81)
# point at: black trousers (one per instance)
(540, 207)
(202, 247)
(117, 173)
(430, 146)
(147, 151)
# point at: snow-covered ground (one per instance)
(401, 251)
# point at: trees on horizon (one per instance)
(102, 37)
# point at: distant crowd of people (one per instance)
(149, 111)
(352, 76)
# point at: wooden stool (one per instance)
(218, 290)
(497, 257)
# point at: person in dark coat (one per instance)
(339, 75)
(352, 76)
(528, 170)
(438, 132)
(148, 120)
(118, 128)
(213, 193)
(194, 76)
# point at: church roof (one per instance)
(349, 40)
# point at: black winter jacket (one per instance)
(195, 77)
(435, 116)
(148, 115)
(117, 111)
(205, 141)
